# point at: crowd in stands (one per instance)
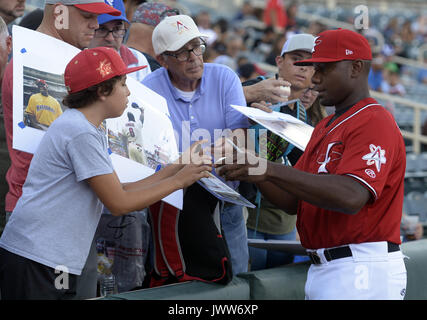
(238, 50)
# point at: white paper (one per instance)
(223, 192)
(43, 57)
(38, 56)
(260, 114)
(158, 143)
(284, 125)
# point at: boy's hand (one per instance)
(190, 173)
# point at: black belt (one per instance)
(342, 252)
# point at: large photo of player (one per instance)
(141, 136)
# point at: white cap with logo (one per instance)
(302, 41)
(173, 32)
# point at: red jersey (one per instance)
(20, 161)
(365, 144)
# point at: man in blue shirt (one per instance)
(199, 96)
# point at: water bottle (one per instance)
(108, 284)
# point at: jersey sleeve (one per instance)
(371, 147)
(89, 156)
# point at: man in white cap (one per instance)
(268, 222)
(81, 16)
(199, 96)
(144, 19)
(297, 46)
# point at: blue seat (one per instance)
(411, 162)
(422, 162)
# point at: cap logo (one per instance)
(317, 41)
(180, 27)
(110, 2)
(348, 52)
(104, 68)
(370, 173)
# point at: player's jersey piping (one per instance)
(369, 105)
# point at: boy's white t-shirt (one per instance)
(55, 219)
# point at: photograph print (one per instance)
(43, 93)
(142, 134)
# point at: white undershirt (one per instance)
(187, 95)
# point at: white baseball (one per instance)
(286, 91)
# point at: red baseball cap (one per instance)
(92, 6)
(41, 83)
(92, 66)
(338, 45)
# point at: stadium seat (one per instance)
(411, 162)
(416, 251)
(415, 203)
(422, 162)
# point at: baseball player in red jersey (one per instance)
(347, 188)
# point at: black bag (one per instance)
(188, 244)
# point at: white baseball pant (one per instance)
(371, 273)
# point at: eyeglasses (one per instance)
(312, 91)
(185, 54)
(103, 32)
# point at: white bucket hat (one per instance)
(173, 32)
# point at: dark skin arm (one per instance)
(279, 197)
(284, 186)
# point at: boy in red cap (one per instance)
(70, 178)
(79, 18)
(347, 188)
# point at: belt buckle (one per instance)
(314, 257)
